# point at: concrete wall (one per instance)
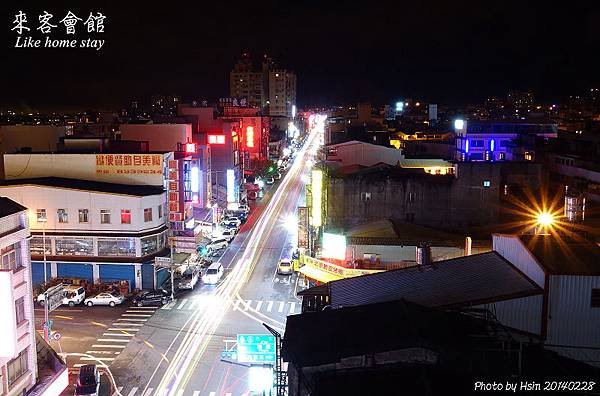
(365, 154)
(395, 254)
(161, 137)
(41, 138)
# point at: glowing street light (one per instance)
(545, 219)
(291, 223)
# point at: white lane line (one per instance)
(134, 307)
(117, 334)
(111, 340)
(258, 305)
(270, 306)
(281, 305)
(133, 319)
(139, 311)
(133, 390)
(169, 305)
(247, 304)
(108, 346)
(121, 329)
(196, 393)
(182, 303)
(192, 304)
(127, 324)
(99, 352)
(148, 392)
(292, 307)
(87, 359)
(212, 393)
(179, 392)
(119, 389)
(136, 315)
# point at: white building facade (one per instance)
(18, 361)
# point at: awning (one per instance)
(317, 274)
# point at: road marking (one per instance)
(258, 305)
(133, 390)
(182, 303)
(99, 352)
(142, 307)
(212, 393)
(192, 304)
(137, 311)
(180, 392)
(292, 307)
(169, 305)
(269, 306)
(136, 315)
(133, 319)
(117, 334)
(87, 359)
(247, 304)
(108, 346)
(127, 324)
(148, 392)
(119, 389)
(281, 305)
(228, 394)
(196, 393)
(111, 340)
(235, 304)
(121, 329)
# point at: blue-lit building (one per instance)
(502, 140)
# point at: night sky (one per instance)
(446, 52)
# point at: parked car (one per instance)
(225, 224)
(277, 176)
(284, 267)
(228, 234)
(217, 244)
(152, 297)
(189, 278)
(73, 295)
(88, 381)
(233, 219)
(110, 299)
(203, 262)
(270, 180)
(252, 195)
(213, 274)
(244, 208)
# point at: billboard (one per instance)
(334, 246)
(113, 164)
(317, 198)
(303, 227)
(230, 186)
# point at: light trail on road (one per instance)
(203, 323)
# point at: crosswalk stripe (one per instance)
(235, 304)
(142, 307)
(192, 304)
(111, 340)
(281, 305)
(212, 393)
(182, 303)
(292, 307)
(87, 359)
(108, 346)
(127, 324)
(133, 320)
(180, 392)
(119, 389)
(122, 329)
(169, 305)
(148, 392)
(133, 390)
(228, 394)
(136, 315)
(196, 393)
(269, 306)
(247, 304)
(258, 305)
(117, 334)
(99, 352)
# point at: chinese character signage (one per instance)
(303, 227)
(122, 164)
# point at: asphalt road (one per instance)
(177, 351)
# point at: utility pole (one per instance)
(280, 375)
(46, 309)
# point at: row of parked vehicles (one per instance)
(227, 229)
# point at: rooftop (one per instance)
(463, 281)
(561, 256)
(9, 207)
(85, 185)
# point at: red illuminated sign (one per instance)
(190, 147)
(250, 136)
(216, 139)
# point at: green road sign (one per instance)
(256, 348)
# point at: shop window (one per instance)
(36, 245)
(63, 217)
(17, 367)
(104, 216)
(160, 211)
(148, 214)
(74, 247)
(125, 216)
(149, 245)
(84, 215)
(20, 310)
(11, 257)
(116, 247)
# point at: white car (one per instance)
(228, 234)
(232, 219)
(110, 299)
(217, 244)
(72, 296)
(244, 208)
(189, 278)
(284, 267)
(213, 274)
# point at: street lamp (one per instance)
(545, 219)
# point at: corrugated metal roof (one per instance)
(468, 280)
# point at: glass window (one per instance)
(20, 310)
(125, 216)
(36, 245)
(41, 215)
(104, 216)
(148, 214)
(63, 217)
(149, 245)
(74, 247)
(11, 259)
(116, 247)
(162, 240)
(17, 367)
(160, 211)
(84, 216)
